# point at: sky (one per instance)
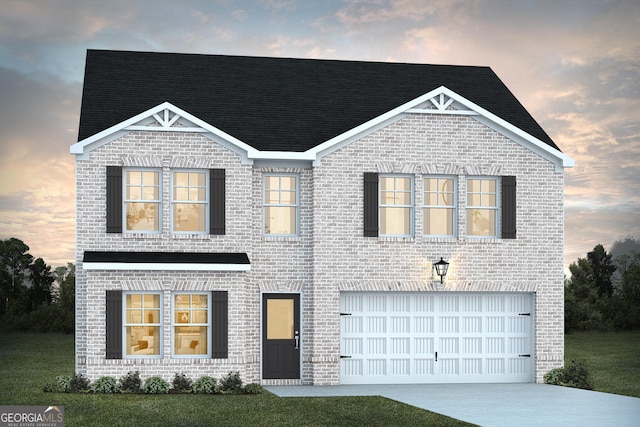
(574, 64)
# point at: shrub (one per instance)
(575, 375)
(79, 383)
(253, 388)
(105, 385)
(231, 383)
(68, 384)
(62, 384)
(181, 384)
(205, 385)
(554, 376)
(131, 383)
(156, 385)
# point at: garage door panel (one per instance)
(402, 337)
(376, 325)
(472, 324)
(423, 346)
(423, 324)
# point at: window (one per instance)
(142, 322)
(280, 204)
(482, 207)
(139, 328)
(396, 205)
(191, 320)
(142, 207)
(189, 201)
(439, 212)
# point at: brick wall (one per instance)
(427, 145)
(330, 254)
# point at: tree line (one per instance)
(33, 297)
(603, 292)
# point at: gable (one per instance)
(278, 104)
(441, 101)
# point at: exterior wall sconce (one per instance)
(441, 268)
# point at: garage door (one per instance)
(400, 337)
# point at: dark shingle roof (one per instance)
(277, 104)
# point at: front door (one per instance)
(281, 336)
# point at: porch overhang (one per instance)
(190, 261)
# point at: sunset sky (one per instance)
(575, 65)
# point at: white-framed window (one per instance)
(142, 200)
(190, 324)
(190, 201)
(395, 204)
(280, 204)
(142, 324)
(483, 203)
(440, 206)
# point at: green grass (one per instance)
(611, 358)
(29, 361)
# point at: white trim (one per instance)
(206, 202)
(436, 97)
(265, 205)
(175, 325)
(159, 325)
(156, 266)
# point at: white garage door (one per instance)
(402, 337)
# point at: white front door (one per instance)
(429, 337)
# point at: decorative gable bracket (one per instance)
(166, 120)
(442, 104)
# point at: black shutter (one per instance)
(114, 325)
(370, 204)
(216, 201)
(220, 325)
(114, 199)
(508, 193)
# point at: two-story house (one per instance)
(284, 217)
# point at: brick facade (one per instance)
(330, 254)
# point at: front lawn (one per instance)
(29, 361)
(611, 358)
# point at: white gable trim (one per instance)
(168, 117)
(446, 102)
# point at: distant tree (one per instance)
(602, 269)
(627, 246)
(14, 269)
(65, 278)
(41, 279)
(626, 302)
(582, 310)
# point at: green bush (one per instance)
(131, 383)
(62, 384)
(181, 384)
(231, 383)
(575, 375)
(156, 385)
(79, 383)
(554, 376)
(205, 385)
(253, 388)
(105, 385)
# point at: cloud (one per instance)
(38, 122)
(574, 65)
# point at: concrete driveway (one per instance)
(496, 405)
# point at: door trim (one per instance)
(296, 374)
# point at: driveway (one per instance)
(496, 405)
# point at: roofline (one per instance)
(82, 148)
